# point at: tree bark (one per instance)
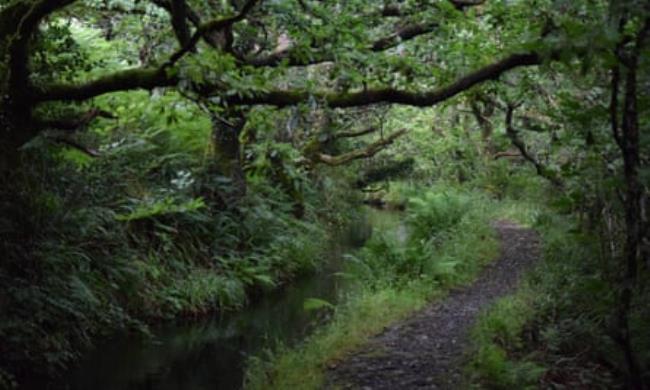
(18, 22)
(628, 141)
(227, 150)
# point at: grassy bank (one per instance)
(449, 240)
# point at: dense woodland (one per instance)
(164, 159)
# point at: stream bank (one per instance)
(446, 241)
(212, 352)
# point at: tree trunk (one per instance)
(15, 130)
(628, 141)
(630, 151)
(227, 150)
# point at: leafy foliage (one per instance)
(142, 175)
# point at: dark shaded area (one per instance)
(212, 353)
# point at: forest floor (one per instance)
(428, 349)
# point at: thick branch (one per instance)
(191, 14)
(403, 34)
(179, 14)
(507, 153)
(27, 14)
(147, 78)
(366, 152)
(140, 78)
(283, 98)
(19, 23)
(211, 38)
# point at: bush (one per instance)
(498, 336)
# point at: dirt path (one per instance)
(426, 351)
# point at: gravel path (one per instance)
(426, 350)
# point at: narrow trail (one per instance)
(426, 351)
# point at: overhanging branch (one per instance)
(139, 78)
(283, 98)
(404, 33)
(507, 153)
(129, 79)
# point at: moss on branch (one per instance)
(366, 152)
(139, 78)
(283, 98)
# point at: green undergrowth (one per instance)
(92, 272)
(498, 332)
(556, 330)
(448, 239)
(147, 233)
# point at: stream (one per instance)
(211, 352)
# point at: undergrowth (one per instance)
(448, 238)
(145, 233)
(557, 330)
